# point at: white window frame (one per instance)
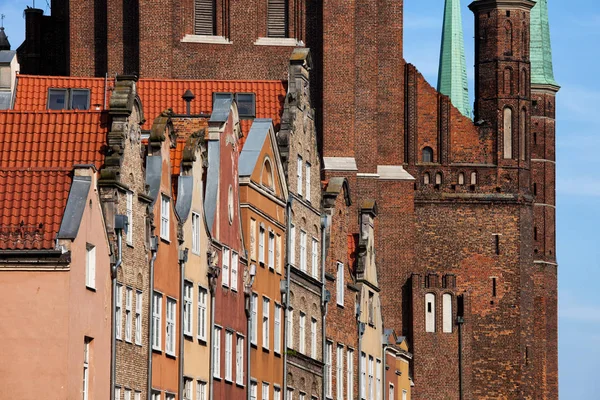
(239, 360)
(391, 392)
(119, 312)
(195, 233)
(339, 372)
(170, 326)
(235, 262)
(138, 317)
(228, 356)
(290, 327)
(313, 338)
(278, 258)
(266, 310)
(303, 249)
(90, 266)
(156, 395)
(265, 391)
(254, 316)
(329, 368)
(188, 304)
(128, 314)
(271, 250)
(363, 375)
(129, 236)
(217, 352)
(137, 395)
(447, 313)
(253, 390)
(127, 394)
(429, 314)
(349, 374)
(169, 396)
(339, 296)
(202, 315)
(157, 321)
(302, 333)
(371, 376)
(276, 392)
(86, 366)
(404, 394)
(307, 179)
(261, 244)
(378, 383)
(201, 390)
(165, 212)
(299, 167)
(292, 260)
(252, 239)
(225, 267)
(117, 393)
(277, 329)
(315, 258)
(188, 383)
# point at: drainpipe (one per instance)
(113, 272)
(324, 299)
(460, 321)
(288, 218)
(153, 249)
(183, 257)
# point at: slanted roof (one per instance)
(542, 71)
(38, 151)
(6, 56)
(254, 145)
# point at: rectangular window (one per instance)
(371, 309)
(265, 391)
(138, 317)
(127, 394)
(225, 272)
(119, 311)
(339, 295)
(290, 328)
(217, 352)
(204, 17)
(391, 392)
(339, 372)
(261, 244)
(128, 314)
(313, 338)
(195, 233)
(292, 259)
(86, 366)
(302, 251)
(246, 103)
(5, 77)
(276, 393)
(277, 329)
(165, 209)
(170, 328)
(202, 303)
(315, 258)
(57, 99)
(277, 18)
(302, 396)
(265, 323)
(378, 380)
(117, 393)
(290, 394)
(302, 333)
(349, 374)
(328, 368)
(137, 395)
(253, 239)
(130, 218)
(200, 390)
(169, 396)
(80, 99)
(90, 266)
(188, 303)
(155, 395)
(239, 361)
(370, 377)
(404, 394)
(156, 321)
(307, 178)
(299, 168)
(228, 356)
(279, 259)
(68, 99)
(253, 390)
(363, 375)
(271, 260)
(234, 270)
(187, 388)
(254, 318)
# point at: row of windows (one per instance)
(314, 256)
(302, 333)
(230, 269)
(188, 389)
(446, 312)
(269, 250)
(201, 311)
(157, 395)
(339, 371)
(265, 323)
(230, 358)
(170, 323)
(129, 316)
(265, 392)
(127, 394)
(439, 178)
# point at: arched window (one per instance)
(508, 81)
(507, 133)
(509, 37)
(438, 178)
(523, 134)
(429, 312)
(524, 82)
(447, 313)
(461, 178)
(525, 39)
(426, 178)
(427, 154)
(267, 174)
(473, 178)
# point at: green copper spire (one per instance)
(452, 76)
(541, 52)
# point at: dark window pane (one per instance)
(57, 99)
(246, 104)
(80, 99)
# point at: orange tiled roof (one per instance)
(37, 153)
(158, 94)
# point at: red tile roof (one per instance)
(37, 153)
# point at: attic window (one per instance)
(246, 102)
(68, 99)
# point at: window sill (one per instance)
(240, 385)
(266, 350)
(138, 344)
(171, 355)
(229, 381)
(188, 335)
(206, 39)
(130, 245)
(202, 341)
(340, 305)
(217, 377)
(156, 349)
(90, 288)
(269, 41)
(166, 240)
(253, 345)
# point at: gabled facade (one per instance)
(263, 196)
(222, 209)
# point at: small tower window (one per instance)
(429, 312)
(438, 178)
(426, 178)
(507, 133)
(277, 18)
(473, 178)
(447, 310)
(523, 135)
(427, 154)
(509, 37)
(461, 178)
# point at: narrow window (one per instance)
(299, 183)
(391, 392)
(138, 317)
(523, 135)
(228, 356)
(473, 178)
(315, 258)
(261, 244)
(535, 233)
(202, 298)
(239, 361)
(204, 17)
(129, 218)
(328, 368)
(235, 263)
(508, 81)
(195, 233)
(507, 133)
(155, 395)
(339, 372)
(378, 379)
(278, 258)
(87, 341)
(276, 393)
(265, 323)
(187, 389)
(524, 82)
(188, 301)
(254, 317)
(404, 394)
(302, 251)
(370, 389)
(128, 313)
(461, 178)
(253, 239)
(363, 375)
(290, 328)
(225, 268)
(265, 391)
(427, 155)
(340, 284)
(217, 352)
(271, 260)
(447, 313)
(292, 250)
(57, 99)
(118, 393)
(371, 309)
(156, 321)
(429, 312)
(80, 99)
(246, 103)
(127, 395)
(277, 329)
(313, 338)
(350, 374)
(119, 311)
(509, 37)
(307, 189)
(535, 189)
(201, 390)
(170, 328)
(138, 395)
(438, 178)
(497, 244)
(277, 18)
(493, 287)
(90, 266)
(253, 390)
(165, 208)
(302, 333)
(169, 396)
(426, 178)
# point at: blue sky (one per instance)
(575, 30)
